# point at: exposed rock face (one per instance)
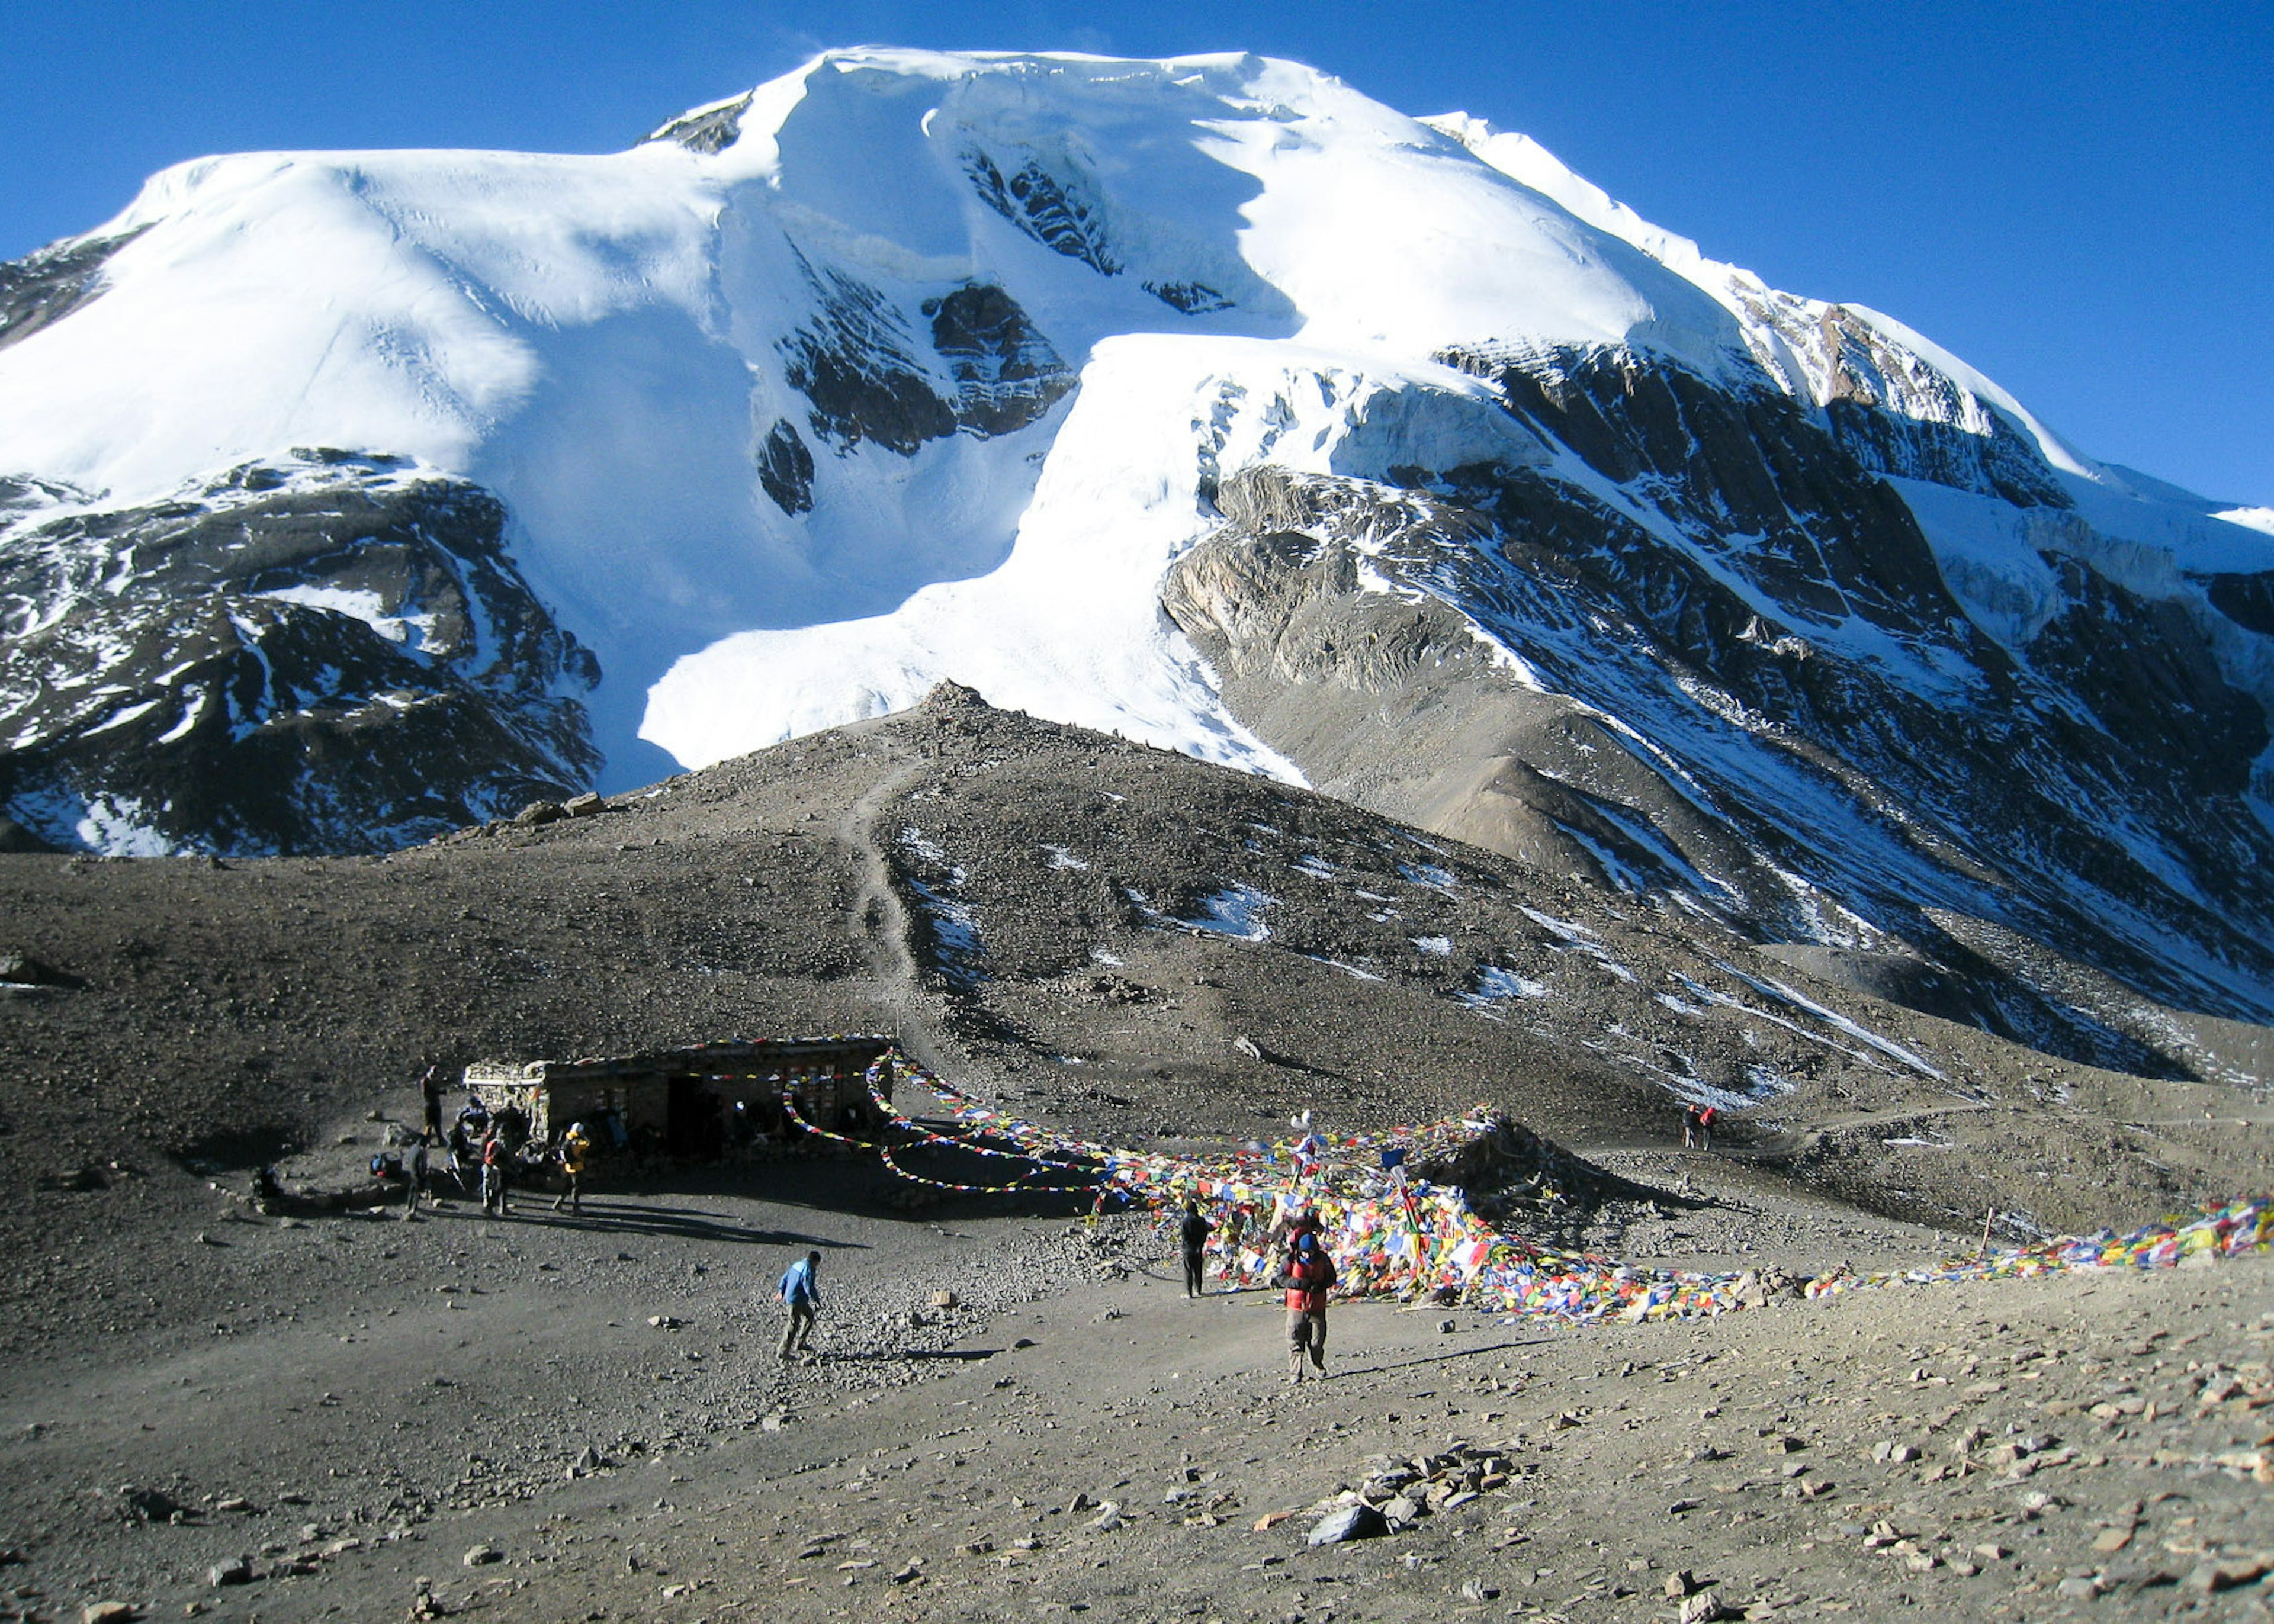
(2246, 599)
(1802, 710)
(1195, 298)
(1998, 463)
(326, 654)
(786, 468)
(1051, 199)
(1891, 410)
(45, 287)
(1006, 373)
(1748, 473)
(707, 130)
(859, 364)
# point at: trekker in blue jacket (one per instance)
(803, 1298)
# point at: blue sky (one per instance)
(2077, 198)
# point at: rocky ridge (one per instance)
(331, 652)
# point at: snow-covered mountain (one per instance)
(352, 495)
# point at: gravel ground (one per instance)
(1089, 1440)
(334, 1407)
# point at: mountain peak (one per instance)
(1204, 401)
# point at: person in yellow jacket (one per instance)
(575, 1151)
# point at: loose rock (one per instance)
(1357, 1521)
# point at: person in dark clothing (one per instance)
(461, 1146)
(1193, 1235)
(417, 1170)
(430, 1088)
(1688, 1127)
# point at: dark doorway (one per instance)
(691, 1129)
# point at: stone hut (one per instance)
(699, 1103)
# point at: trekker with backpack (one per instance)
(575, 1151)
(1309, 1275)
(493, 1175)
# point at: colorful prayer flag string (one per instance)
(1392, 1235)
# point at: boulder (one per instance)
(147, 1504)
(1355, 1521)
(21, 969)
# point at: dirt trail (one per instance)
(1798, 1137)
(1806, 1136)
(878, 918)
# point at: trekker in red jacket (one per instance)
(1310, 1275)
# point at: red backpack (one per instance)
(1308, 1283)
